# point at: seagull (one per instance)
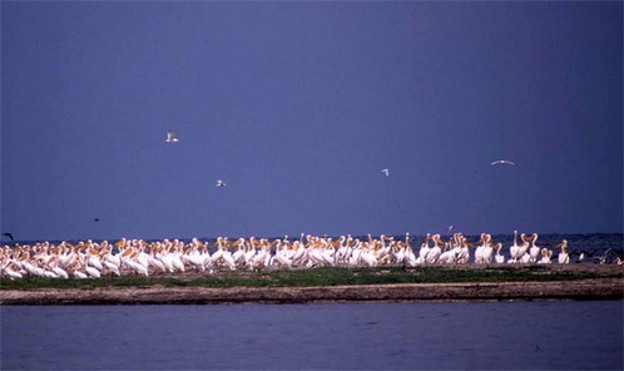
(503, 162)
(221, 183)
(386, 171)
(9, 235)
(451, 227)
(172, 137)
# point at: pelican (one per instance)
(74, 270)
(519, 253)
(91, 271)
(564, 257)
(463, 246)
(410, 257)
(448, 257)
(502, 162)
(436, 250)
(513, 249)
(11, 273)
(424, 249)
(546, 255)
(60, 272)
(534, 250)
(172, 137)
(483, 253)
(499, 257)
(386, 171)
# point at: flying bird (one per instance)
(451, 227)
(172, 137)
(386, 171)
(96, 219)
(221, 183)
(9, 235)
(503, 162)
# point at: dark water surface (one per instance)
(466, 335)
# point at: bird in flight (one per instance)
(503, 162)
(96, 219)
(451, 227)
(386, 171)
(172, 137)
(9, 235)
(221, 183)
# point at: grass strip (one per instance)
(320, 277)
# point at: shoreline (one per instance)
(584, 289)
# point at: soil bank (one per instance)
(588, 289)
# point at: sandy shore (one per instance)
(599, 288)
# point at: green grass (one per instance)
(320, 277)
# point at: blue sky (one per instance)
(298, 106)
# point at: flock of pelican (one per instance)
(137, 257)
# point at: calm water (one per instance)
(465, 335)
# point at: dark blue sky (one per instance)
(298, 106)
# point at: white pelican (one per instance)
(435, 251)
(91, 271)
(513, 249)
(12, 273)
(483, 253)
(448, 257)
(112, 267)
(546, 255)
(534, 250)
(74, 270)
(386, 172)
(60, 272)
(499, 258)
(464, 249)
(519, 252)
(564, 257)
(424, 249)
(172, 137)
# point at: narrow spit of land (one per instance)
(495, 282)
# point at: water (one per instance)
(464, 335)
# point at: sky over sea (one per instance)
(298, 106)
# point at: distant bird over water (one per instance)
(172, 137)
(9, 235)
(96, 219)
(503, 162)
(386, 171)
(451, 227)
(220, 183)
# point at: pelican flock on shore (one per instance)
(137, 257)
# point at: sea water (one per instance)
(375, 336)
